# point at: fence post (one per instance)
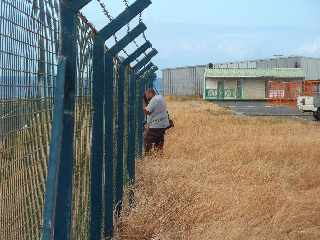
(104, 34)
(108, 111)
(108, 146)
(58, 203)
(103, 94)
(62, 228)
(97, 139)
(132, 116)
(54, 156)
(151, 78)
(120, 135)
(140, 77)
(141, 118)
(131, 128)
(109, 128)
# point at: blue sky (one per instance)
(203, 31)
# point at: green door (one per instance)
(220, 89)
(239, 89)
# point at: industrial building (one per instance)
(184, 81)
(189, 81)
(247, 83)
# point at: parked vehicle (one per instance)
(310, 104)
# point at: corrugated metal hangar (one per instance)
(189, 81)
(184, 81)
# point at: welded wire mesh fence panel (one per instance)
(83, 130)
(131, 146)
(28, 46)
(121, 117)
(139, 106)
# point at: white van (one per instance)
(310, 104)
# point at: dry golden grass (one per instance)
(228, 177)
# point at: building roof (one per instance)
(185, 67)
(255, 73)
(252, 61)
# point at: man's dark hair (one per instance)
(146, 100)
(150, 90)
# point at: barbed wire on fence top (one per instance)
(126, 3)
(86, 21)
(110, 18)
(128, 25)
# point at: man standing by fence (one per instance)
(157, 121)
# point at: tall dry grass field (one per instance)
(228, 177)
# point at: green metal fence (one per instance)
(82, 131)
(221, 94)
(70, 118)
(28, 46)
